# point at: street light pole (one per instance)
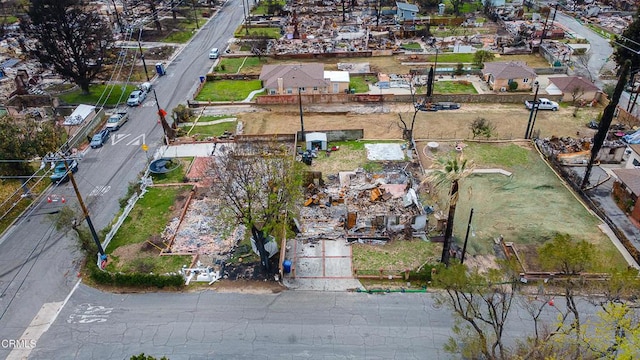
(533, 107)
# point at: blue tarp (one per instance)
(632, 138)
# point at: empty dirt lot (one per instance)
(382, 121)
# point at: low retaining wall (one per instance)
(509, 98)
(338, 135)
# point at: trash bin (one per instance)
(160, 69)
(202, 79)
(287, 266)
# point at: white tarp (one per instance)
(79, 115)
(271, 246)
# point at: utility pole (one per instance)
(605, 122)
(301, 116)
(169, 132)
(533, 109)
(466, 237)
(144, 64)
(115, 9)
(102, 258)
(195, 14)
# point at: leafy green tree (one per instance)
(626, 49)
(482, 56)
(69, 37)
(570, 258)
(456, 6)
(24, 139)
(450, 172)
(481, 303)
(142, 356)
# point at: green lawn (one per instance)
(156, 264)
(451, 58)
(176, 176)
(149, 217)
(396, 255)
(262, 8)
(10, 19)
(117, 94)
(454, 87)
(185, 34)
(229, 65)
(526, 208)
(270, 32)
(411, 46)
(461, 31)
(603, 33)
(204, 131)
(361, 83)
(228, 90)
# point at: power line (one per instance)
(118, 68)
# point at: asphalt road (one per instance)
(38, 265)
(600, 49)
(288, 325)
(38, 268)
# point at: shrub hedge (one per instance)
(137, 279)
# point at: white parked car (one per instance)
(214, 53)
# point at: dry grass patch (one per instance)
(396, 255)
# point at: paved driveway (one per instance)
(323, 265)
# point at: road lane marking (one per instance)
(39, 325)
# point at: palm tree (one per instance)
(450, 171)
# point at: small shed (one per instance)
(316, 140)
(406, 11)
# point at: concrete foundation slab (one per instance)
(384, 152)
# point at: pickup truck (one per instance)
(116, 120)
(543, 104)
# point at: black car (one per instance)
(99, 138)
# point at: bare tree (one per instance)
(69, 37)
(583, 63)
(576, 94)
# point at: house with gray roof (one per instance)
(500, 75)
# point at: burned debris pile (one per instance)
(363, 207)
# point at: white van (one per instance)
(214, 53)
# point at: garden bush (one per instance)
(137, 279)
